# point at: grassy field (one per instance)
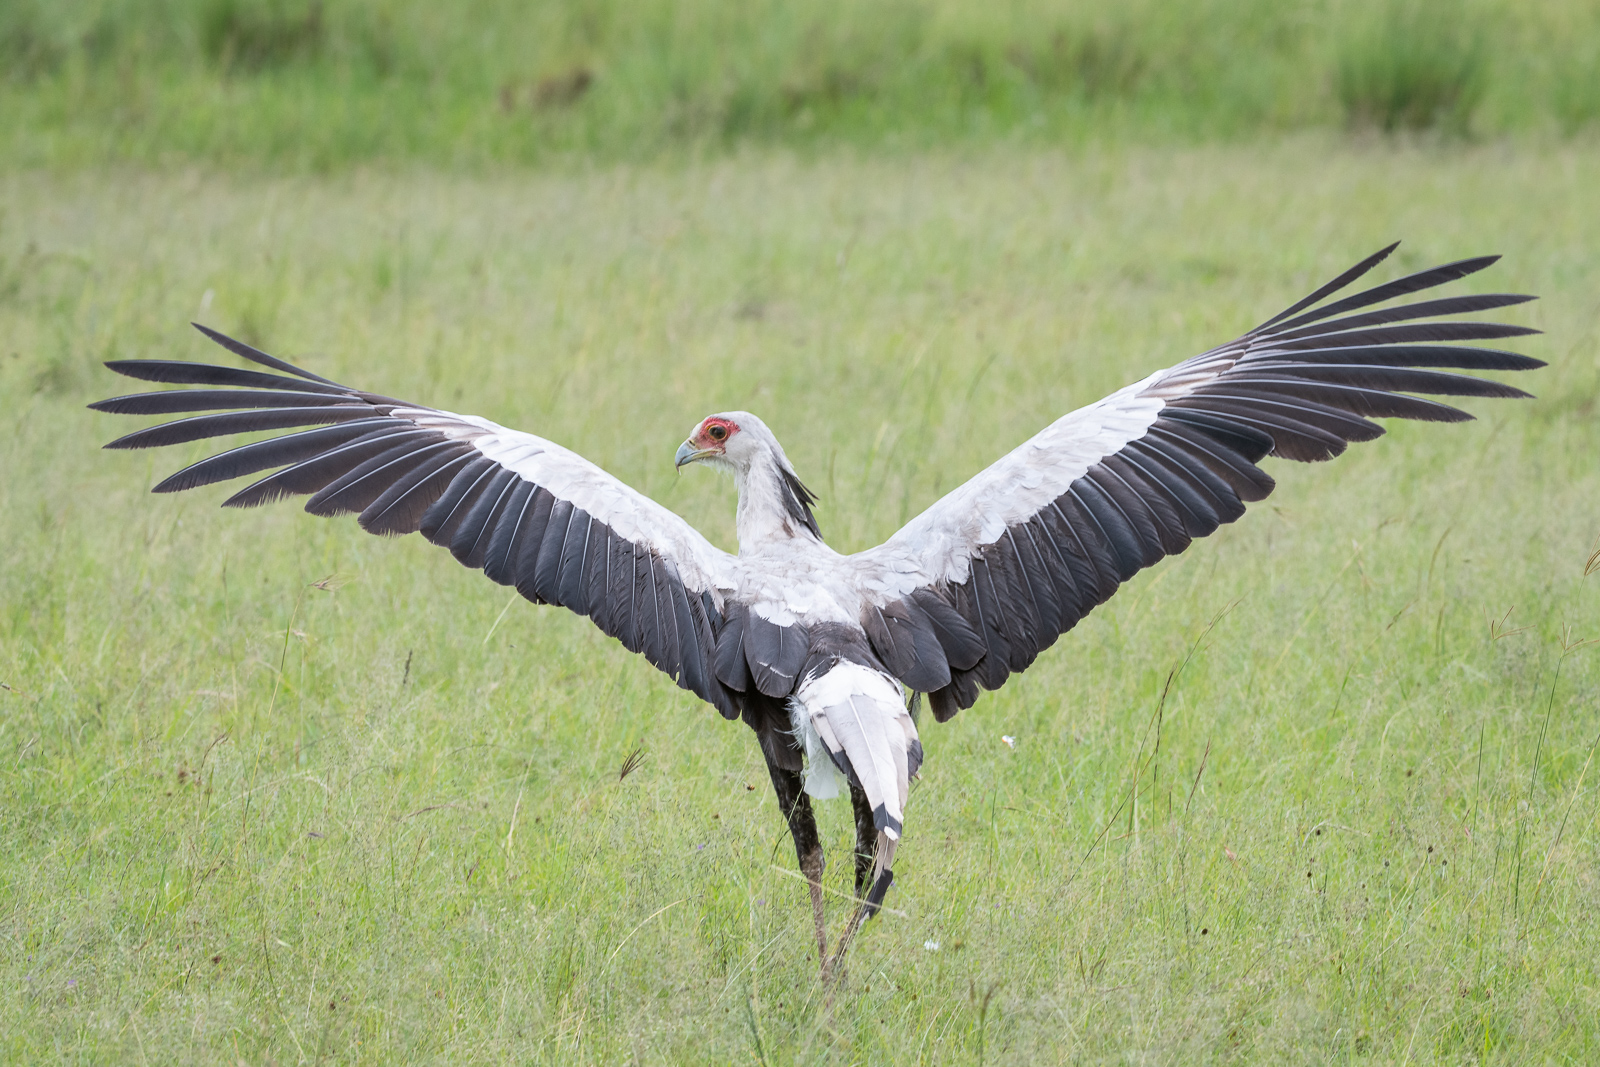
(320, 85)
(276, 791)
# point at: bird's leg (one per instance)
(866, 838)
(874, 852)
(796, 807)
(811, 865)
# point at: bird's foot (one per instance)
(834, 968)
(812, 867)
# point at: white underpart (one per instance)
(859, 716)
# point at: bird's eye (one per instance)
(717, 432)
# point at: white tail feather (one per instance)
(858, 717)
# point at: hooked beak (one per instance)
(688, 453)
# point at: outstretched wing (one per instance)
(975, 587)
(527, 511)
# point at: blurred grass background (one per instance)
(326, 83)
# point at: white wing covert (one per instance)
(526, 511)
(974, 588)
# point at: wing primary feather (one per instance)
(1195, 508)
(239, 348)
(1411, 283)
(1322, 381)
(182, 372)
(1300, 401)
(1425, 309)
(1214, 490)
(1329, 404)
(1248, 443)
(275, 452)
(250, 421)
(1294, 434)
(354, 491)
(175, 401)
(399, 509)
(316, 472)
(1329, 288)
(1458, 357)
(1404, 333)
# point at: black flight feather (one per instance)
(1411, 283)
(547, 565)
(183, 372)
(471, 528)
(572, 591)
(499, 557)
(400, 508)
(530, 544)
(173, 401)
(1329, 288)
(232, 422)
(445, 515)
(727, 659)
(239, 348)
(351, 493)
(276, 452)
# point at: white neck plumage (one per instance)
(772, 511)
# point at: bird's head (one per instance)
(731, 440)
(741, 444)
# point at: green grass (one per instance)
(298, 85)
(276, 791)
(1414, 66)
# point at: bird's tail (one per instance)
(882, 873)
(860, 718)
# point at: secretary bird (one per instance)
(816, 651)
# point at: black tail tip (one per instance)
(879, 890)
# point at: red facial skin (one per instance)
(706, 438)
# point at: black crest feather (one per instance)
(797, 500)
